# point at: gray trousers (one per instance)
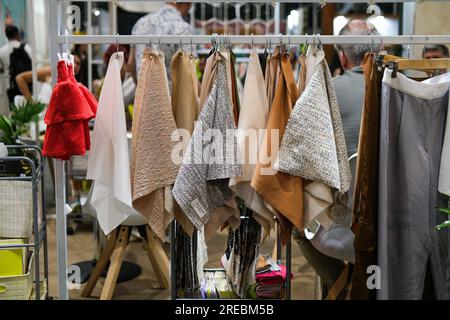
(411, 136)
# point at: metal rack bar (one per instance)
(261, 40)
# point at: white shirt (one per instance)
(5, 53)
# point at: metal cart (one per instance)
(36, 178)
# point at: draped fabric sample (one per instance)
(272, 74)
(210, 161)
(313, 146)
(184, 91)
(253, 118)
(301, 82)
(152, 168)
(412, 128)
(108, 163)
(185, 110)
(282, 191)
(242, 251)
(365, 200)
(67, 117)
(211, 64)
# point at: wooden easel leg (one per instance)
(116, 263)
(158, 258)
(101, 265)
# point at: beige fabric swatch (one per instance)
(152, 168)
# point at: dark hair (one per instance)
(436, 47)
(12, 32)
(355, 52)
(113, 48)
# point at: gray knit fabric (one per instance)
(313, 146)
(202, 186)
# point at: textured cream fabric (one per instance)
(313, 146)
(252, 118)
(152, 168)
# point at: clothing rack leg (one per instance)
(116, 263)
(158, 258)
(100, 265)
(173, 271)
(288, 270)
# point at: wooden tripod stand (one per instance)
(115, 250)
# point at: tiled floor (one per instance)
(81, 247)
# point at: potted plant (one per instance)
(15, 126)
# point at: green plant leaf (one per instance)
(446, 224)
(27, 112)
(6, 127)
(444, 210)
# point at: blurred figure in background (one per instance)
(15, 58)
(128, 85)
(435, 51)
(169, 20)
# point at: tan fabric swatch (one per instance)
(282, 191)
(152, 168)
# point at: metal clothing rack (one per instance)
(36, 178)
(56, 38)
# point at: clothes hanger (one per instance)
(427, 65)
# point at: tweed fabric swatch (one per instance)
(152, 168)
(202, 184)
(313, 146)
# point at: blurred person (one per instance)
(24, 80)
(435, 51)
(128, 85)
(350, 84)
(15, 58)
(169, 20)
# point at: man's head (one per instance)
(12, 33)
(182, 7)
(352, 55)
(435, 51)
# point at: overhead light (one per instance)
(96, 12)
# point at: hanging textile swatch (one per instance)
(412, 126)
(212, 157)
(281, 191)
(272, 73)
(365, 201)
(189, 243)
(152, 168)
(207, 80)
(252, 119)
(239, 260)
(108, 163)
(313, 146)
(185, 111)
(67, 117)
